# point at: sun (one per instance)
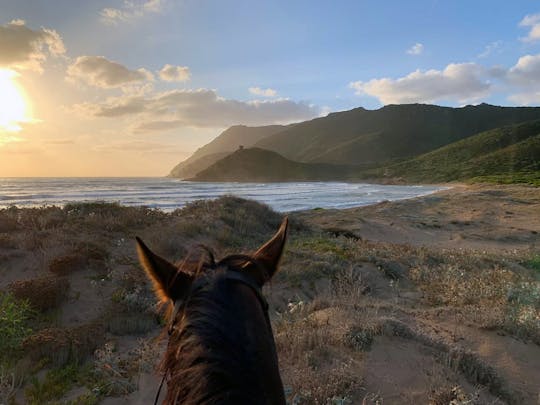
(14, 109)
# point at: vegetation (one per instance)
(361, 136)
(225, 143)
(337, 300)
(15, 318)
(504, 155)
(262, 165)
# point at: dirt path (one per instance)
(471, 217)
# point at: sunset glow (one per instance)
(13, 106)
(132, 88)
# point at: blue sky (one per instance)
(300, 59)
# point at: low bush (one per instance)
(14, 326)
(62, 346)
(42, 293)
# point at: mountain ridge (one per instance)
(361, 139)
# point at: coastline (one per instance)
(170, 194)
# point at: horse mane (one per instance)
(196, 370)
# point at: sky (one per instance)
(132, 87)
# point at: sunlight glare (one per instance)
(13, 106)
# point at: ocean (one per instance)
(168, 194)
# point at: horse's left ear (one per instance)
(170, 283)
(269, 254)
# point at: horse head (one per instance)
(221, 348)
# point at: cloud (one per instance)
(263, 92)
(138, 145)
(416, 49)
(158, 126)
(23, 48)
(526, 72)
(101, 72)
(130, 11)
(532, 22)
(59, 141)
(17, 147)
(171, 73)
(524, 77)
(461, 82)
(490, 49)
(197, 108)
(525, 98)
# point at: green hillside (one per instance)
(225, 143)
(259, 165)
(392, 132)
(507, 154)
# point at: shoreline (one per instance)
(169, 195)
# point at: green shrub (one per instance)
(55, 385)
(534, 263)
(14, 328)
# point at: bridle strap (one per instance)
(159, 389)
(248, 280)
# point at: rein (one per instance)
(230, 274)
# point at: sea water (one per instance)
(168, 194)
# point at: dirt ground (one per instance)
(464, 216)
(486, 219)
(384, 304)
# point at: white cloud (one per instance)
(526, 72)
(130, 11)
(524, 77)
(532, 22)
(171, 73)
(263, 92)
(24, 48)
(457, 82)
(525, 98)
(139, 145)
(101, 72)
(416, 49)
(197, 108)
(490, 49)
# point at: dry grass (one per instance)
(64, 265)
(334, 316)
(62, 346)
(42, 293)
(309, 351)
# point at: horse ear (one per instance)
(269, 254)
(169, 282)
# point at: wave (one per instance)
(169, 194)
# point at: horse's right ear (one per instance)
(169, 282)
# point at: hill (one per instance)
(259, 165)
(507, 152)
(361, 136)
(228, 141)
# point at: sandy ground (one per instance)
(471, 217)
(397, 369)
(478, 218)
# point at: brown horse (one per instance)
(221, 348)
